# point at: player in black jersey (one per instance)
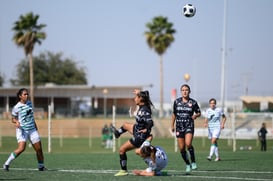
(185, 111)
(262, 136)
(140, 130)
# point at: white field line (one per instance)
(225, 178)
(172, 173)
(229, 171)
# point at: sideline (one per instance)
(172, 173)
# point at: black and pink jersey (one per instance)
(184, 110)
(143, 120)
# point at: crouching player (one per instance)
(155, 157)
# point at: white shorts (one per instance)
(214, 132)
(31, 135)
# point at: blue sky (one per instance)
(107, 38)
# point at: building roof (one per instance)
(257, 99)
(75, 91)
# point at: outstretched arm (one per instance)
(143, 173)
(136, 91)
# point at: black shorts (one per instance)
(136, 142)
(138, 138)
(182, 130)
(181, 134)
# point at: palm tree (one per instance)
(2, 79)
(26, 34)
(159, 37)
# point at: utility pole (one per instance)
(224, 53)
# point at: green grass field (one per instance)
(85, 159)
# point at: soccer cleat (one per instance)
(122, 173)
(188, 169)
(209, 158)
(115, 131)
(42, 169)
(6, 167)
(193, 166)
(217, 159)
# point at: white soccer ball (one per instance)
(189, 10)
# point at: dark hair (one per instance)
(185, 85)
(147, 150)
(146, 99)
(212, 99)
(20, 92)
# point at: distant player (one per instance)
(215, 121)
(262, 136)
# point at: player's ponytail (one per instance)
(146, 99)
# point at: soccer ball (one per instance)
(189, 10)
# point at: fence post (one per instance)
(49, 129)
(114, 124)
(233, 130)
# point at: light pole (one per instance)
(223, 82)
(105, 92)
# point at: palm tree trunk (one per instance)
(31, 78)
(161, 88)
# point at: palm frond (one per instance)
(27, 32)
(160, 34)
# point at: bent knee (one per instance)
(188, 145)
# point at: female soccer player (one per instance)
(215, 125)
(26, 129)
(140, 130)
(185, 111)
(156, 159)
(154, 156)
